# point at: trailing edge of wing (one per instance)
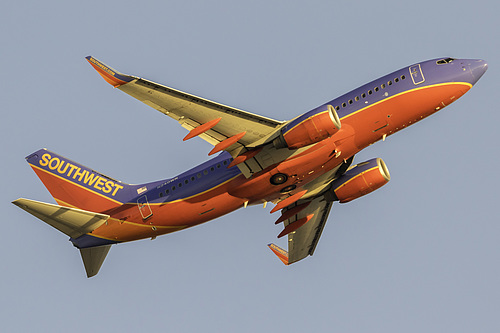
(70, 221)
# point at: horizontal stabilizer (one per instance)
(70, 221)
(279, 252)
(93, 257)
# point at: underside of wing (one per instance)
(303, 241)
(304, 219)
(224, 127)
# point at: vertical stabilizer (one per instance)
(93, 257)
(74, 185)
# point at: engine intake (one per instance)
(313, 129)
(360, 180)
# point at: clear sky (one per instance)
(419, 255)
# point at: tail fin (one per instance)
(75, 185)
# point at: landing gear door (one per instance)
(144, 207)
(416, 74)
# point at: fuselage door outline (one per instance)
(416, 74)
(144, 208)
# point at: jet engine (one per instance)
(313, 129)
(361, 179)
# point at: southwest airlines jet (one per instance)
(302, 166)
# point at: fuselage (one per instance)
(367, 114)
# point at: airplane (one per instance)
(302, 165)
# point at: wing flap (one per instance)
(70, 221)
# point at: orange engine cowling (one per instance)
(362, 179)
(315, 128)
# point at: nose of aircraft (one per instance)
(477, 68)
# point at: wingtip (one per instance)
(109, 74)
(279, 252)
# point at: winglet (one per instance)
(279, 252)
(112, 76)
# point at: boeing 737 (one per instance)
(302, 166)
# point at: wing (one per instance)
(224, 127)
(305, 218)
(302, 242)
(304, 227)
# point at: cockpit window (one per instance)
(445, 61)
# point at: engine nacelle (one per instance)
(313, 129)
(362, 179)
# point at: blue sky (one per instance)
(420, 254)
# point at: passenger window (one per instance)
(376, 89)
(403, 77)
(383, 85)
(179, 185)
(344, 105)
(198, 175)
(389, 83)
(167, 191)
(218, 166)
(192, 178)
(173, 188)
(186, 181)
(212, 169)
(161, 194)
(370, 92)
(350, 101)
(356, 98)
(337, 108)
(363, 95)
(396, 80)
(205, 172)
